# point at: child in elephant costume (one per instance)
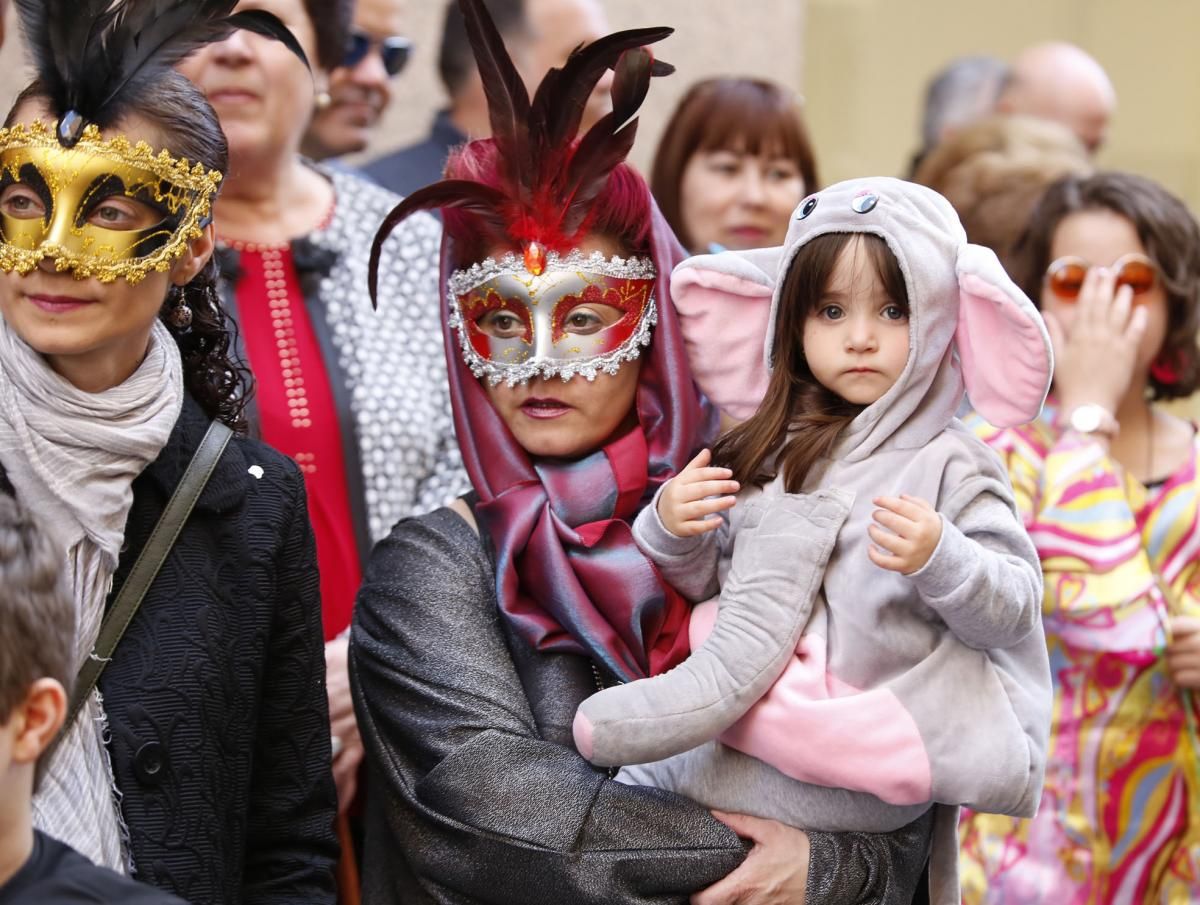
(877, 649)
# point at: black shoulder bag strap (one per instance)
(146, 568)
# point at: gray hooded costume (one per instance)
(847, 697)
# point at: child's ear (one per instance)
(38, 718)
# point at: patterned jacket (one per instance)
(387, 368)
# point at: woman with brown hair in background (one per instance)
(733, 162)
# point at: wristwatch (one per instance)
(1093, 419)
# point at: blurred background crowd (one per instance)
(988, 104)
(862, 67)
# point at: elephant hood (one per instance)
(971, 329)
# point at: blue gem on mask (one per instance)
(70, 129)
(808, 207)
(864, 202)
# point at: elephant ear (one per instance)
(1002, 342)
(724, 307)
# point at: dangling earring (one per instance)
(322, 100)
(180, 315)
(1164, 371)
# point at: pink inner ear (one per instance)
(724, 322)
(1005, 354)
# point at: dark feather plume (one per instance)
(608, 142)
(550, 179)
(90, 53)
(631, 81)
(462, 194)
(507, 97)
(562, 97)
(595, 157)
(57, 33)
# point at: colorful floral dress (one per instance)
(1119, 820)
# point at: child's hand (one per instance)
(682, 505)
(906, 532)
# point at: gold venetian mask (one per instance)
(105, 208)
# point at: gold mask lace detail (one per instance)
(69, 175)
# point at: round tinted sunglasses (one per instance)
(1065, 276)
(393, 50)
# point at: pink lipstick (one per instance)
(544, 409)
(57, 304)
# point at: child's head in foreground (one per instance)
(881, 315)
(37, 631)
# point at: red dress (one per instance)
(297, 413)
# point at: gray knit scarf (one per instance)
(72, 457)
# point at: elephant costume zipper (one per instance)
(600, 686)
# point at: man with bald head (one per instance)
(1061, 82)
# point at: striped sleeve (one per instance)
(1073, 499)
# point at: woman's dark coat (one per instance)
(215, 695)
(478, 796)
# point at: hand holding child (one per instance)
(906, 532)
(684, 506)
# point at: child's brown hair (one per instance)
(37, 616)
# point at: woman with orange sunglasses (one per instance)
(1107, 484)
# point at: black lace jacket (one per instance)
(477, 792)
(216, 694)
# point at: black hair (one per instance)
(331, 21)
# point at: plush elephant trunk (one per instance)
(778, 564)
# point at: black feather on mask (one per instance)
(549, 177)
(91, 54)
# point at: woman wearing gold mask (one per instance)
(198, 761)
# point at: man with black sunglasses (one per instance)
(360, 89)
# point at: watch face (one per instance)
(1086, 418)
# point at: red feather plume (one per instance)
(549, 178)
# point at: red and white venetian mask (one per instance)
(520, 318)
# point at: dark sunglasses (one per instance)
(1065, 276)
(394, 50)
